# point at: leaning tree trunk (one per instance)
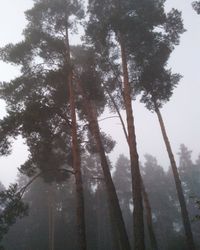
(114, 207)
(138, 223)
(80, 210)
(184, 212)
(147, 206)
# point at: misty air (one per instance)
(99, 125)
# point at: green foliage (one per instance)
(166, 215)
(107, 141)
(1, 187)
(149, 34)
(156, 82)
(86, 69)
(196, 6)
(162, 195)
(38, 107)
(11, 207)
(35, 227)
(163, 200)
(37, 100)
(190, 177)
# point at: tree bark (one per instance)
(179, 189)
(114, 207)
(147, 205)
(80, 208)
(152, 236)
(138, 223)
(51, 217)
(118, 112)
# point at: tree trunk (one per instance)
(51, 217)
(152, 236)
(184, 212)
(138, 223)
(114, 207)
(80, 210)
(118, 112)
(147, 205)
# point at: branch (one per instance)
(23, 189)
(118, 112)
(109, 117)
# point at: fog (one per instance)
(181, 114)
(68, 194)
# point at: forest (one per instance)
(68, 193)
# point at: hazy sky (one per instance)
(181, 114)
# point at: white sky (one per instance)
(181, 114)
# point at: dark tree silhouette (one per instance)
(196, 6)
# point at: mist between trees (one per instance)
(52, 206)
(66, 196)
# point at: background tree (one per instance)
(162, 195)
(196, 6)
(190, 177)
(122, 180)
(35, 227)
(163, 199)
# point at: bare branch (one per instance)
(23, 189)
(109, 117)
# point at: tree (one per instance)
(109, 27)
(196, 6)
(190, 177)
(156, 83)
(36, 227)
(122, 180)
(130, 32)
(76, 152)
(46, 39)
(165, 214)
(1, 187)
(11, 207)
(91, 96)
(100, 226)
(39, 100)
(185, 216)
(147, 205)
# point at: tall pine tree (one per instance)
(156, 83)
(39, 101)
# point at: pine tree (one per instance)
(156, 84)
(39, 100)
(147, 205)
(129, 32)
(109, 30)
(88, 83)
(165, 210)
(190, 177)
(196, 6)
